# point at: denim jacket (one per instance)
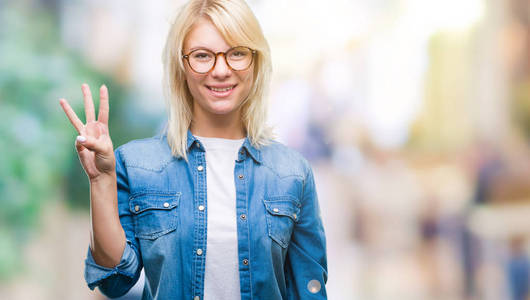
(281, 241)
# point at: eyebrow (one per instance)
(205, 48)
(199, 47)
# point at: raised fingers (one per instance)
(89, 104)
(103, 115)
(78, 125)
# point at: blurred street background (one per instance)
(415, 115)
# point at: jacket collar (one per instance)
(254, 153)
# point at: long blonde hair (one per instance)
(238, 26)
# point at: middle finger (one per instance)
(89, 104)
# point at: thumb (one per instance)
(91, 144)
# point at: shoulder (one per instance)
(151, 153)
(283, 160)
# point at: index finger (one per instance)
(78, 125)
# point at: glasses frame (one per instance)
(187, 57)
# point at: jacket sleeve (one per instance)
(117, 281)
(306, 263)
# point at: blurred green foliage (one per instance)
(37, 154)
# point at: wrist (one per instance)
(103, 178)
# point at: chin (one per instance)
(221, 107)
(218, 111)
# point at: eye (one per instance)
(202, 55)
(238, 54)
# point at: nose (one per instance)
(221, 68)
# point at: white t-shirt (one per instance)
(222, 269)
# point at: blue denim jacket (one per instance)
(281, 241)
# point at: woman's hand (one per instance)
(93, 145)
(95, 151)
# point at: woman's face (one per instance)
(222, 90)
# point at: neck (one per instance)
(220, 126)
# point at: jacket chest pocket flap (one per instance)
(155, 214)
(282, 214)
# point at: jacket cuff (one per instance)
(95, 274)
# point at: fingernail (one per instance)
(103, 86)
(81, 139)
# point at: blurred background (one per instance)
(415, 115)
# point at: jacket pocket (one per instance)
(282, 214)
(155, 214)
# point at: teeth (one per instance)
(221, 90)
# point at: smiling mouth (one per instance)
(225, 89)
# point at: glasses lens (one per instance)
(239, 58)
(201, 60)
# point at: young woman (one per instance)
(213, 208)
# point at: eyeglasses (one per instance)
(203, 61)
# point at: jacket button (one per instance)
(196, 298)
(314, 286)
(243, 217)
(166, 205)
(200, 168)
(275, 210)
(245, 262)
(240, 176)
(136, 208)
(201, 207)
(199, 252)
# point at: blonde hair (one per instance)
(239, 27)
